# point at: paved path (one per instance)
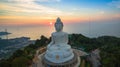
(80, 53)
(94, 58)
(37, 59)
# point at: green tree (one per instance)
(5, 63)
(20, 62)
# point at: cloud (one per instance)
(30, 0)
(48, 0)
(102, 12)
(115, 3)
(30, 9)
(75, 9)
(28, 6)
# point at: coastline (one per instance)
(11, 45)
(4, 33)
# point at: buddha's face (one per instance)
(58, 27)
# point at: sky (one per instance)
(23, 12)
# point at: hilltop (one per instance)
(108, 45)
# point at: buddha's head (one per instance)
(58, 25)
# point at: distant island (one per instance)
(4, 33)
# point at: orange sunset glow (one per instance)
(36, 12)
(85, 15)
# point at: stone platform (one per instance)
(75, 62)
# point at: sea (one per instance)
(89, 29)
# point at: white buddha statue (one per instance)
(58, 51)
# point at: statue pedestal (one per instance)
(74, 62)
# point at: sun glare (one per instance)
(51, 23)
